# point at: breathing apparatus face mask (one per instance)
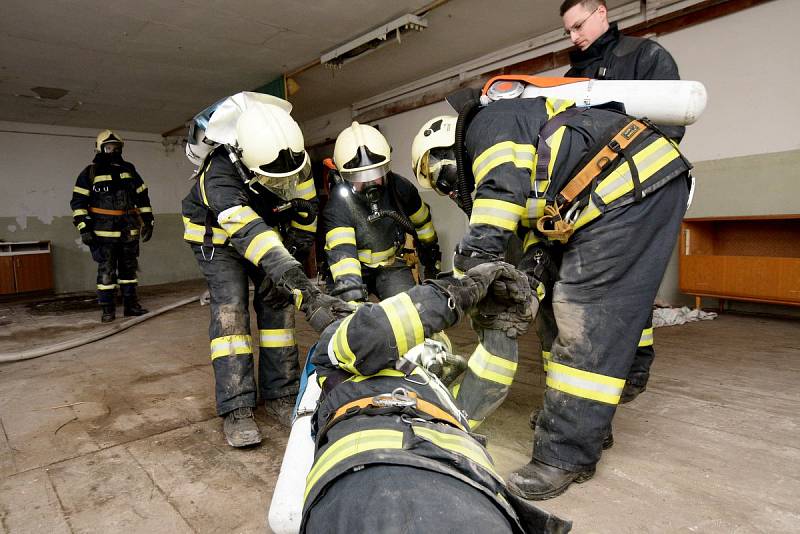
(285, 187)
(441, 170)
(112, 148)
(371, 191)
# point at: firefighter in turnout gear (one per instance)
(604, 53)
(111, 210)
(611, 191)
(367, 217)
(392, 450)
(249, 216)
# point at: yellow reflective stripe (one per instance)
(341, 235)
(419, 216)
(523, 156)
(426, 233)
(104, 233)
(203, 186)
(80, 191)
(547, 356)
(81, 226)
(457, 443)
(458, 273)
(474, 423)
(648, 161)
(78, 213)
(490, 367)
(231, 345)
(404, 320)
(232, 220)
(106, 286)
(134, 232)
(375, 259)
(306, 227)
(555, 106)
(382, 372)
(530, 240)
(497, 213)
(134, 281)
(344, 267)
(261, 244)
(102, 178)
(276, 337)
(584, 384)
(194, 233)
(341, 348)
(534, 209)
(456, 389)
(145, 209)
(647, 338)
(555, 144)
(306, 190)
(126, 175)
(350, 445)
(141, 188)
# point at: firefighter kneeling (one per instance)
(393, 453)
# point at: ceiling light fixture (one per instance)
(372, 40)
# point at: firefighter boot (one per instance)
(608, 441)
(538, 481)
(632, 389)
(240, 428)
(109, 313)
(281, 409)
(132, 307)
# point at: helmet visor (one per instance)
(285, 186)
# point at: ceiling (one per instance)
(149, 65)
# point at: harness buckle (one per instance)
(203, 252)
(553, 226)
(399, 398)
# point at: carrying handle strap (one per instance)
(551, 224)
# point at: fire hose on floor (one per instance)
(92, 337)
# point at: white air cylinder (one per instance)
(286, 508)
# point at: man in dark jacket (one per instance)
(111, 210)
(612, 191)
(606, 54)
(367, 218)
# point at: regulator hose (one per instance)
(399, 218)
(301, 205)
(465, 181)
(96, 336)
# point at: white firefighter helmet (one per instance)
(439, 132)
(272, 147)
(106, 137)
(362, 153)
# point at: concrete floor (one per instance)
(121, 436)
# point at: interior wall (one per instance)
(39, 166)
(745, 146)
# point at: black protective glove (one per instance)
(431, 259)
(147, 231)
(350, 292)
(468, 291)
(87, 236)
(299, 243)
(510, 305)
(320, 309)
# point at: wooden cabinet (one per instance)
(742, 258)
(25, 266)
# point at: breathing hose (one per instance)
(90, 338)
(463, 184)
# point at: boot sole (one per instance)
(581, 478)
(244, 443)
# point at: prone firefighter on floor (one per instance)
(366, 219)
(250, 216)
(611, 191)
(393, 453)
(111, 210)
